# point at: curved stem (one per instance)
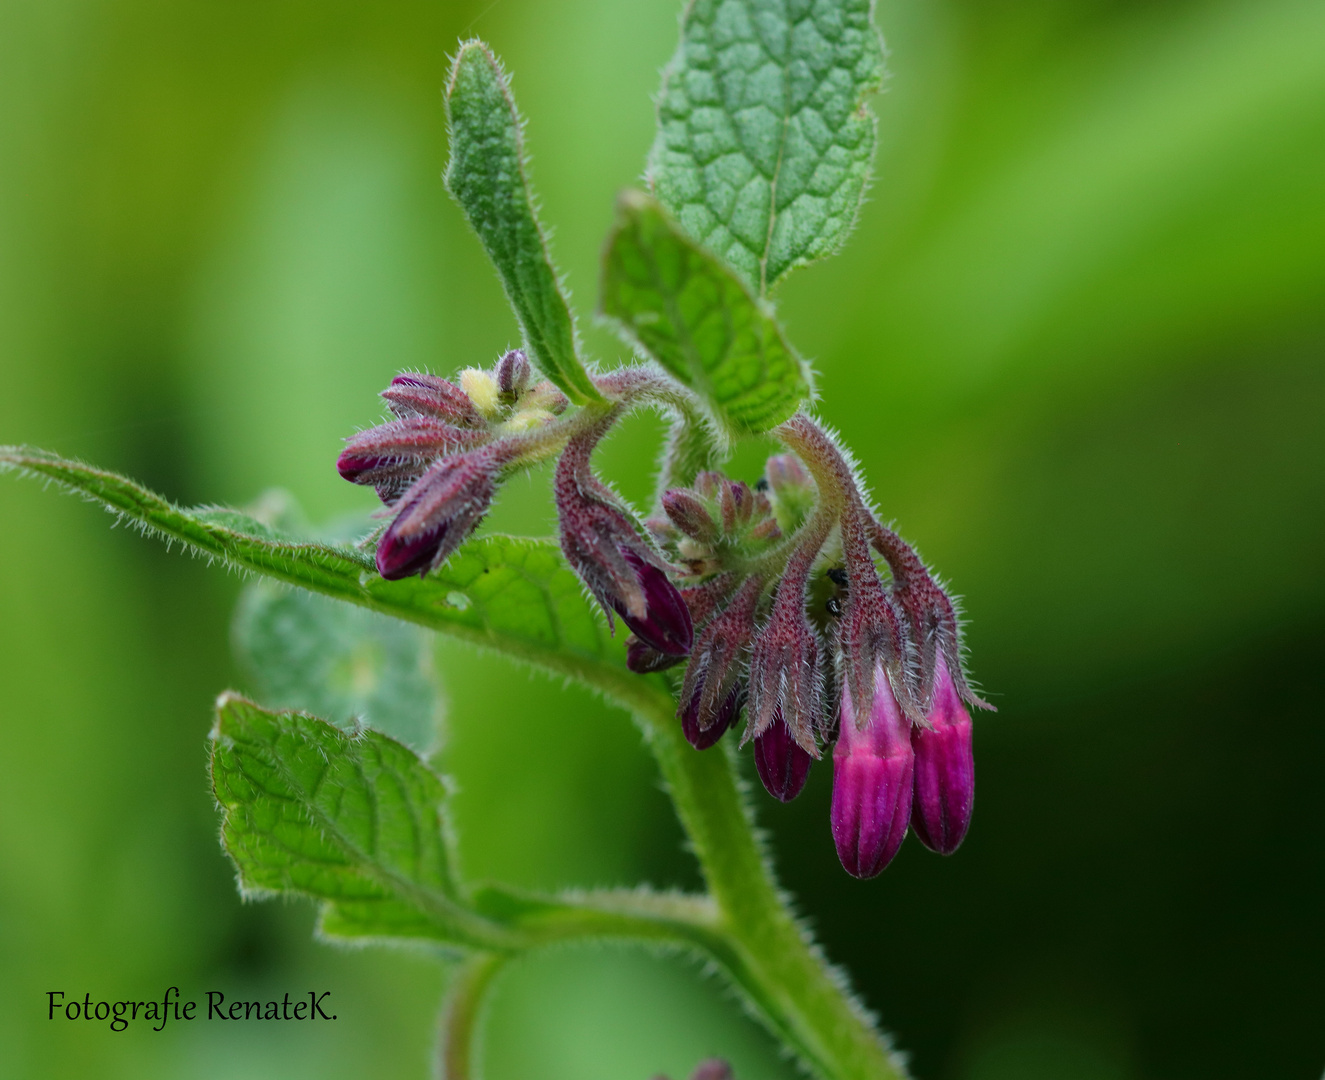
(800, 998)
(460, 1015)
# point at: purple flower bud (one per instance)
(872, 782)
(645, 659)
(717, 662)
(784, 664)
(437, 514)
(785, 471)
(783, 765)
(513, 373)
(701, 738)
(690, 515)
(665, 624)
(623, 572)
(945, 769)
(392, 456)
(414, 393)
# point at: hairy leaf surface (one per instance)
(676, 302)
(764, 142)
(341, 662)
(487, 176)
(354, 820)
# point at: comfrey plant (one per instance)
(783, 609)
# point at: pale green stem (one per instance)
(457, 1056)
(802, 1000)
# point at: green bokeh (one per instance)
(1078, 344)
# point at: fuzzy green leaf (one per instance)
(343, 663)
(765, 143)
(354, 820)
(487, 177)
(676, 302)
(513, 594)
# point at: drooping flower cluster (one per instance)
(770, 595)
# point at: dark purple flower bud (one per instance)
(665, 622)
(437, 514)
(414, 393)
(623, 572)
(872, 782)
(689, 514)
(717, 663)
(393, 455)
(701, 738)
(944, 770)
(781, 762)
(513, 373)
(644, 659)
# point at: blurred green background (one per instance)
(1078, 343)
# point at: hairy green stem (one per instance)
(460, 1016)
(790, 986)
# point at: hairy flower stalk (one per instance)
(717, 665)
(786, 681)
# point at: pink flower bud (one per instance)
(872, 782)
(781, 762)
(944, 770)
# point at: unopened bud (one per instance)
(702, 737)
(689, 514)
(781, 762)
(645, 659)
(415, 393)
(790, 489)
(944, 769)
(625, 575)
(392, 456)
(513, 373)
(437, 514)
(872, 782)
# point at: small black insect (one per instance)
(834, 606)
(838, 576)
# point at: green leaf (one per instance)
(487, 177)
(512, 594)
(764, 143)
(354, 820)
(679, 304)
(343, 663)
